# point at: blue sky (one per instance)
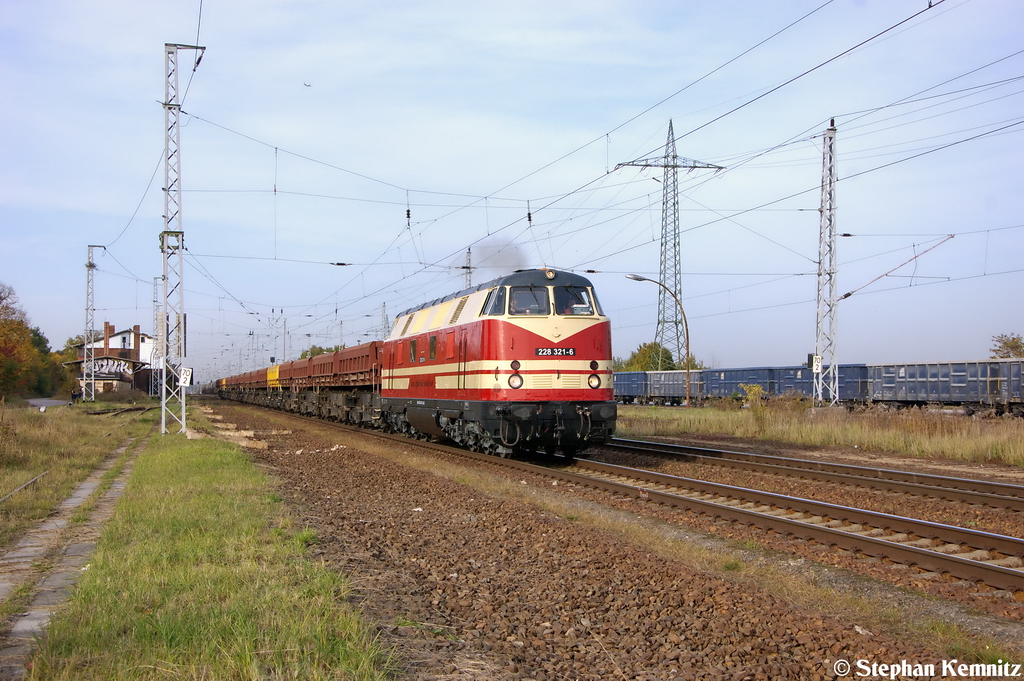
(473, 115)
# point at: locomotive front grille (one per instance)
(542, 381)
(572, 381)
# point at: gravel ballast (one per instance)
(470, 586)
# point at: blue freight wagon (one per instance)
(995, 383)
(726, 382)
(631, 386)
(669, 387)
(984, 383)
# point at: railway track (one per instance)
(992, 559)
(996, 560)
(966, 490)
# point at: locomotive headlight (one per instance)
(515, 381)
(515, 365)
(594, 365)
(594, 381)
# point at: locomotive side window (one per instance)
(573, 300)
(412, 351)
(597, 305)
(529, 300)
(433, 347)
(495, 303)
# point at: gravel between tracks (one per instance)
(469, 586)
(1001, 521)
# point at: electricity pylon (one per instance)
(670, 332)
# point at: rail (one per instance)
(995, 494)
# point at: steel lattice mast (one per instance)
(826, 381)
(158, 347)
(670, 332)
(171, 327)
(88, 351)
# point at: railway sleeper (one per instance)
(873, 532)
(923, 543)
(949, 548)
(980, 555)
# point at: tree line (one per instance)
(28, 367)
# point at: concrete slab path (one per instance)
(51, 557)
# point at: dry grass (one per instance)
(910, 432)
(62, 442)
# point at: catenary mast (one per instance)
(171, 332)
(88, 351)
(826, 375)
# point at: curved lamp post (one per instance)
(686, 328)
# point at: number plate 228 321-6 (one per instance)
(555, 352)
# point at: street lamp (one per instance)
(686, 328)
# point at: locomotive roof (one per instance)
(517, 278)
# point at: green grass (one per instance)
(911, 432)
(201, 575)
(64, 441)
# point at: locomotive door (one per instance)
(462, 344)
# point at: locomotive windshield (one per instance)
(537, 300)
(572, 300)
(529, 300)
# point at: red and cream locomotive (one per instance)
(520, 363)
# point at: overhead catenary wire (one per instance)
(540, 236)
(603, 136)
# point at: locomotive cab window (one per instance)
(573, 300)
(529, 300)
(495, 303)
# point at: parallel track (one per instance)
(992, 559)
(994, 494)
